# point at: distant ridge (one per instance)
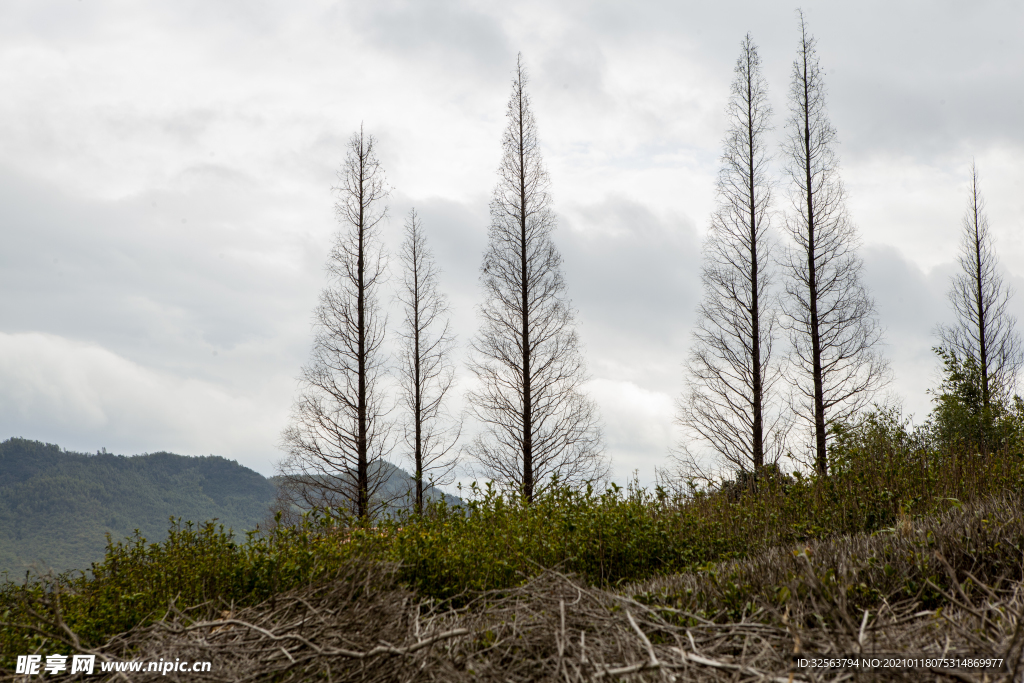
(57, 506)
(397, 491)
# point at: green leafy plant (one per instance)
(960, 417)
(886, 476)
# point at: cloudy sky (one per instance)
(166, 170)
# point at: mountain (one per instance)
(396, 493)
(57, 506)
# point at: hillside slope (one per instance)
(56, 506)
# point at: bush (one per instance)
(883, 471)
(962, 419)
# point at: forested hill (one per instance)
(57, 506)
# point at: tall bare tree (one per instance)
(425, 369)
(834, 333)
(339, 433)
(537, 421)
(984, 332)
(730, 402)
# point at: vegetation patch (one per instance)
(896, 530)
(947, 586)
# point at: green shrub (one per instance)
(963, 418)
(883, 471)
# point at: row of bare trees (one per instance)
(742, 396)
(736, 379)
(536, 422)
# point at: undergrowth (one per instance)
(879, 480)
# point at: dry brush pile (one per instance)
(948, 586)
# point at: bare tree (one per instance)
(526, 357)
(984, 332)
(729, 402)
(425, 370)
(339, 433)
(831, 319)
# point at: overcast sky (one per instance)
(166, 170)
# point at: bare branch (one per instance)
(730, 402)
(984, 332)
(834, 333)
(426, 373)
(538, 423)
(339, 432)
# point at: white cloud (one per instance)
(165, 175)
(85, 397)
(637, 427)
